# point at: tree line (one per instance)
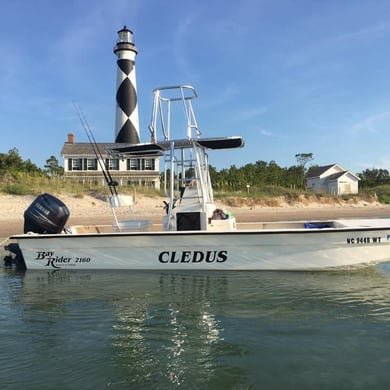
(257, 175)
(262, 173)
(11, 163)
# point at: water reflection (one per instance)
(167, 329)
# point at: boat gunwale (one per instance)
(205, 232)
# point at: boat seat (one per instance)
(121, 207)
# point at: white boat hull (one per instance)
(299, 249)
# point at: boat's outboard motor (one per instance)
(46, 214)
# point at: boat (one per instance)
(194, 233)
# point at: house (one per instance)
(332, 179)
(82, 165)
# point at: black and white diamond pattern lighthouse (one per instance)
(126, 118)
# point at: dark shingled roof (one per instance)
(319, 171)
(85, 148)
(336, 175)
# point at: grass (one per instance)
(382, 193)
(25, 184)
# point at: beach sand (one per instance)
(90, 210)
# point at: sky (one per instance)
(290, 76)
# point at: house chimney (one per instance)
(70, 138)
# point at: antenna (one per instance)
(106, 173)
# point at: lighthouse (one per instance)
(126, 115)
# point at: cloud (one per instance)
(11, 66)
(180, 47)
(322, 45)
(216, 29)
(372, 32)
(221, 98)
(373, 123)
(91, 26)
(251, 113)
(378, 162)
(266, 133)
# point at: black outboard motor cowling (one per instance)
(47, 214)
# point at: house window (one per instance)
(112, 164)
(91, 164)
(149, 164)
(133, 164)
(76, 164)
(140, 164)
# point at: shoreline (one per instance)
(90, 210)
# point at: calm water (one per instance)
(234, 330)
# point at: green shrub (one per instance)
(384, 198)
(18, 189)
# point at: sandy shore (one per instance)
(91, 210)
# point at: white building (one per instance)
(332, 179)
